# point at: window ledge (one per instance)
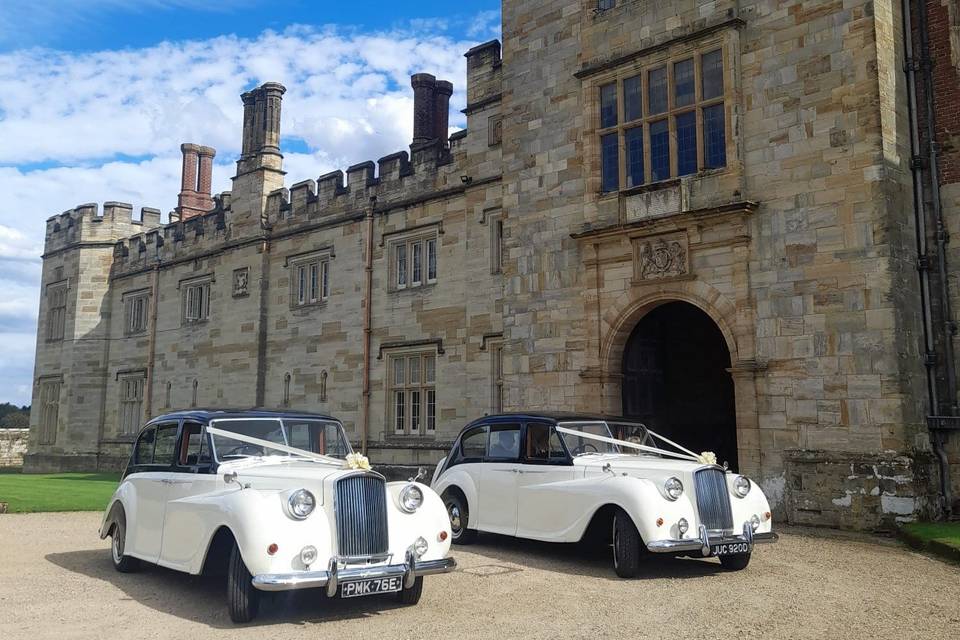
(420, 287)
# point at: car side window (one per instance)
(143, 451)
(193, 447)
(504, 443)
(473, 444)
(543, 444)
(164, 450)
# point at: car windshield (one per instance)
(316, 436)
(579, 445)
(631, 432)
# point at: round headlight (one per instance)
(741, 486)
(308, 555)
(420, 546)
(673, 488)
(411, 498)
(301, 503)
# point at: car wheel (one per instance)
(735, 562)
(459, 519)
(242, 598)
(412, 595)
(118, 542)
(626, 545)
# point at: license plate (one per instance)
(729, 548)
(370, 587)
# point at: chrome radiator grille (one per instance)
(361, 514)
(713, 499)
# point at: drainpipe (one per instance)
(937, 436)
(263, 319)
(367, 317)
(152, 346)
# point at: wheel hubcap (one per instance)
(117, 545)
(455, 523)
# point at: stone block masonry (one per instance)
(13, 445)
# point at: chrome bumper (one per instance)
(335, 575)
(704, 542)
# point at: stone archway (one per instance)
(675, 378)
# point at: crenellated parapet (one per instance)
(394, 179)
(87, 223)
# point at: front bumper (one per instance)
(704, 541)
(335, 575)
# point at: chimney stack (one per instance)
(423, 108)
(195, 181)
(442, 91)
(261, 128)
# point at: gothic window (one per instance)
(323, 386)
(166, 399)
(309, 278)
(286, 390)
(663, 122)
(494, 130)
(414, 261)
(56, 310)
(131, 403)
(135, 309)
(495, 220)
(603, 5)
(413, 394)
(196, 301)
(49, 410)
(496, 376)
(196, 389)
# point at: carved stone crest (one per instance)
(660, 257)
(241, 282)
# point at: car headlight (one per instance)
(741, 486)
(301, 503)
(673, 488)
(411, 498)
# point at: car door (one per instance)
(153, 456)
(187, 525)
(542, 508)
(498, 480)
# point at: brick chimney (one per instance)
(442, 91)
(195, 181)
(424, 130)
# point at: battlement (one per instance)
(393, 178)
(86, 222)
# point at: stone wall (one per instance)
(13, 444)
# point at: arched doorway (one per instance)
(675, 380)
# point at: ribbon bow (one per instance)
(357, 461)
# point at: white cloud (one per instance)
(72, 122)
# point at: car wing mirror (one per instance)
(229, 477)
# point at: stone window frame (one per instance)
(424, 410)
(495, 347)
(494, 130)
(50, 388)
(401, 250)
(641, 68)
(302, 264)
(56, 296)
(130, 396)
(136, 311)
(495, 219)
(193, 310)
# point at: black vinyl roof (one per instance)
(205, 415)
(551, 416)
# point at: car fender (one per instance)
(123, 498)
(457, 477)
(257, 519)
(430, 522)
(753, 504)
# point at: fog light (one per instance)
(683, 526)
(420, 546)
(308, 555)
(272, 549)
(755, 521)
(442, 536)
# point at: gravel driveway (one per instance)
(56, 582)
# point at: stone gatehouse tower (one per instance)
(696, 213)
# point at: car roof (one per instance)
(206, 415)
(552, 416)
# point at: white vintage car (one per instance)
(566, 478)
(276, 501)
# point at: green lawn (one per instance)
(27, 493)
(947, 533)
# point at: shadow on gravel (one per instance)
(203, 599)
(594, 561)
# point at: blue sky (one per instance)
(97, 95)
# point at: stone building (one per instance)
(698, 213)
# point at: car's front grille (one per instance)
(361, 514)
(713, 499)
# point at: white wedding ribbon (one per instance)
(273, 445)
(624, 443)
